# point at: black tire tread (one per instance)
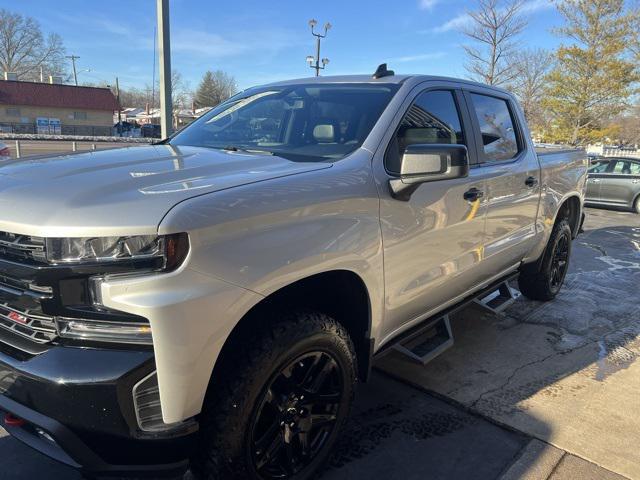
(244, 366)
(534, 283)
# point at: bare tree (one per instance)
(24, 50)
(181, 94)
(627, 126)
(494, 29)
(532, 67)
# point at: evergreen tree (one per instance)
(215, 88)
(593, 76)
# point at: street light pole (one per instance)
(311, 59)
(317, 55)
(164, 56)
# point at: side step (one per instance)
(428, 342)
(498, 300)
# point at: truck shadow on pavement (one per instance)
(564, 372)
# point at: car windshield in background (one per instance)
(310, 122)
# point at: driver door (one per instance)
(433, 240)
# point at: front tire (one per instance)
(280, 402)
(545, 283)
(636, 205)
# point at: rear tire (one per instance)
(545, 283)
(280, 402)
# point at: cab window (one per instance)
(496, 126)
(433, 118)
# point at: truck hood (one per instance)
(123, 191)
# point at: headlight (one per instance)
(172, 249)
(96, 259)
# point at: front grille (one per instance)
(17, 246)
(21, 297)
(37, 327)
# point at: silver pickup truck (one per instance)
(211, 301)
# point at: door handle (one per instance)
(531, 182)
(635, 180)
(473, 194)
(594, 180)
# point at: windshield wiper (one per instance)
(234, 148)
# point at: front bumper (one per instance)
(77, 407)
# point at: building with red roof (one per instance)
(31, 107)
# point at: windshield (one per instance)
(311, 122)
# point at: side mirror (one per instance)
(423, 163)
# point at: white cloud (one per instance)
(456, 23)
(418, 57)
(463, 19)
(533, 6)
(204, 43)
(427, 4)
(214, 45)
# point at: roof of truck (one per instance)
(395, 79)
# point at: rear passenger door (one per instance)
(511, 170)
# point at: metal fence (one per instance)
(620, 152)
(25, 148)
(607, 151)
(83, 130)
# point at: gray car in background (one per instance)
(614, 182)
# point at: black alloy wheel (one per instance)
(297, 414)
(560, 263)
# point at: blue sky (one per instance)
(259, 41)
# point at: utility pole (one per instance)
(311, 59)
(164, 57)
(119, 108)
(73, 62)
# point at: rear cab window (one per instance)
(497, 127)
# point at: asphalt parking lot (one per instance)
(542, 391)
